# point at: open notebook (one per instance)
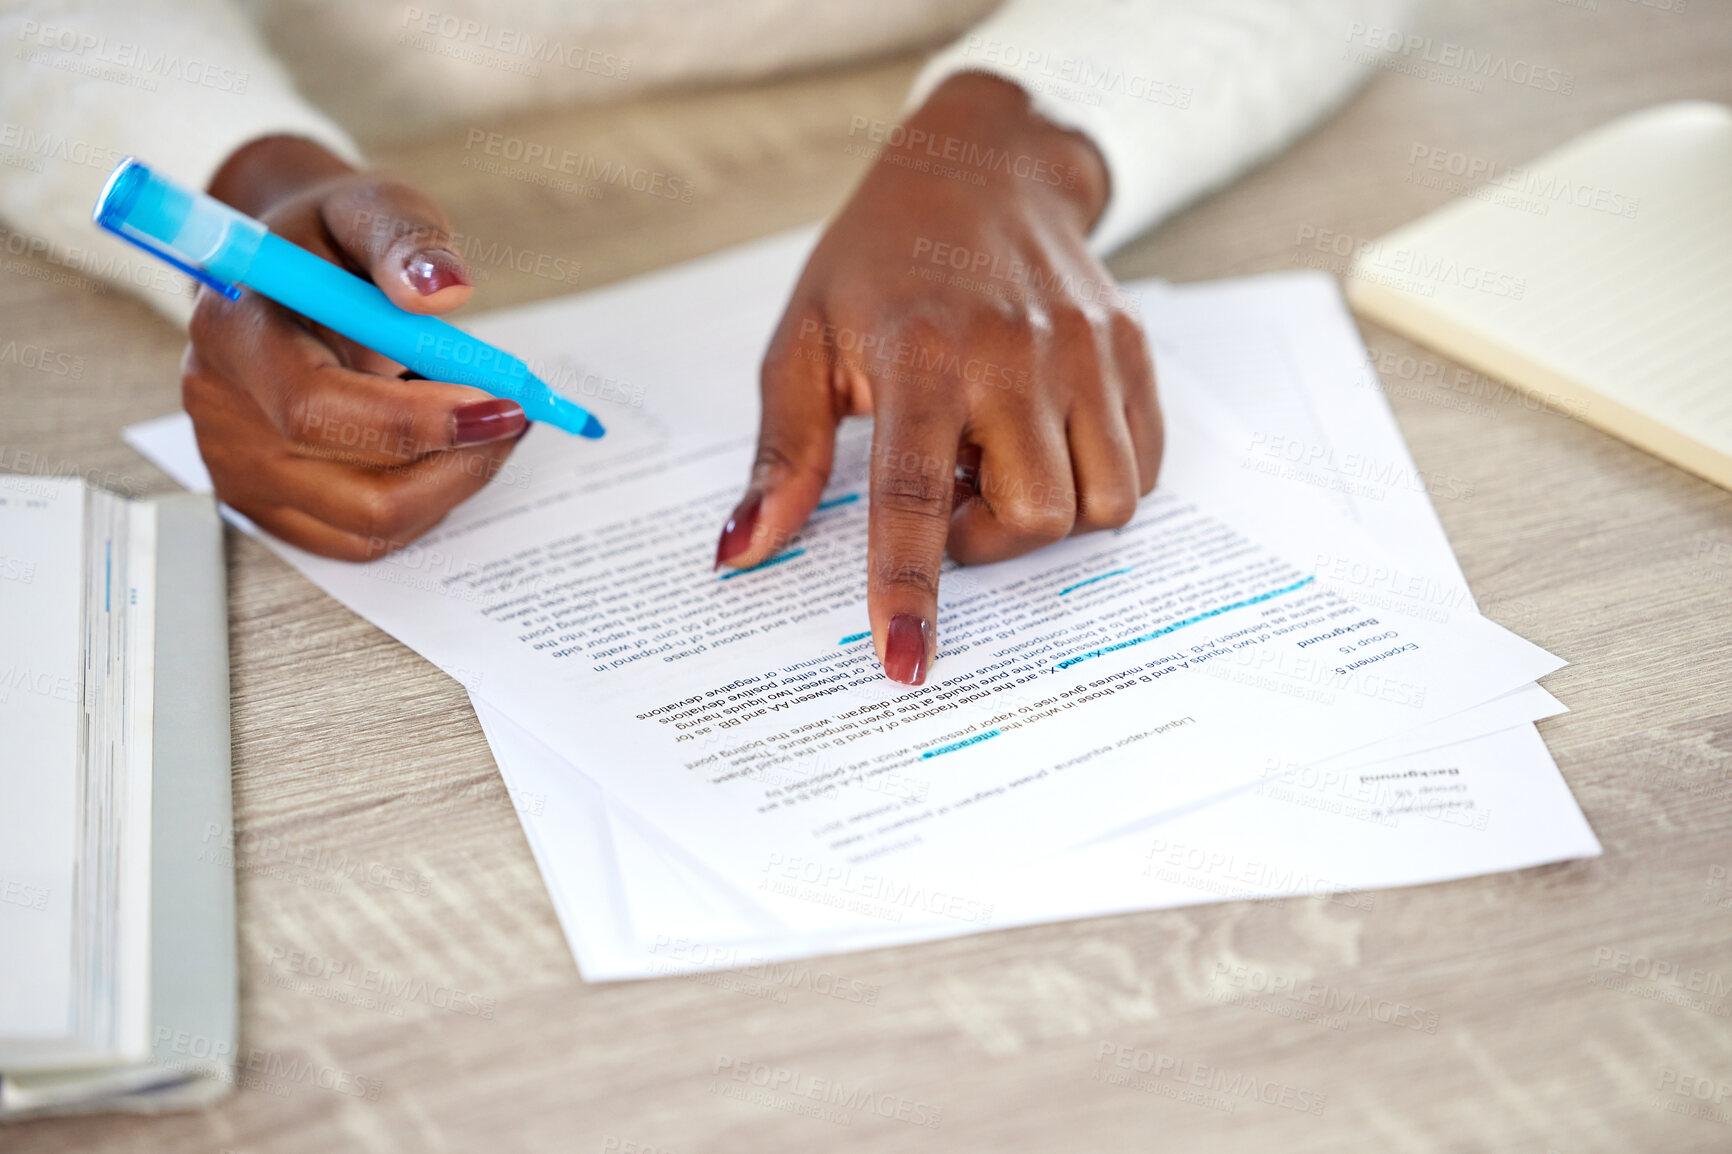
(1599, 278)
(117, 954)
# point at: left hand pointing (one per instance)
(958, 303)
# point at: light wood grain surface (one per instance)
(348, 747)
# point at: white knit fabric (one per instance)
(1179, 95)
(180, 83)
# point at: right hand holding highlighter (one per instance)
(309, 434)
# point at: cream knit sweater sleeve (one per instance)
(83, 83)
(1180, 96)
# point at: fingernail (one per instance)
(905, 649)
(432, 270)
(487, 421)
(737, 533)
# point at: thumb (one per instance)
(796, 446)
(402, 240)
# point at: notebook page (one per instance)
(1604, 265)
(41, 566)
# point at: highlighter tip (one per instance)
(568, 415)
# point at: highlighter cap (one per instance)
(203, 237)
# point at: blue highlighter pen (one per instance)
(222, 248)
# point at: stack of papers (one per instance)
(1273, 681)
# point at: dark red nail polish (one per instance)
(905, 649)
(434, 269)
(487, 421)
(737, 533)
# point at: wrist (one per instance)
(986, 128)
(263, 172)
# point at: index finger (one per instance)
(913, 481)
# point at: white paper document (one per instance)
(723, 774)
(633, 907)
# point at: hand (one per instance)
(955, 299)
(312, 436)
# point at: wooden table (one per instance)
(348, 747)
